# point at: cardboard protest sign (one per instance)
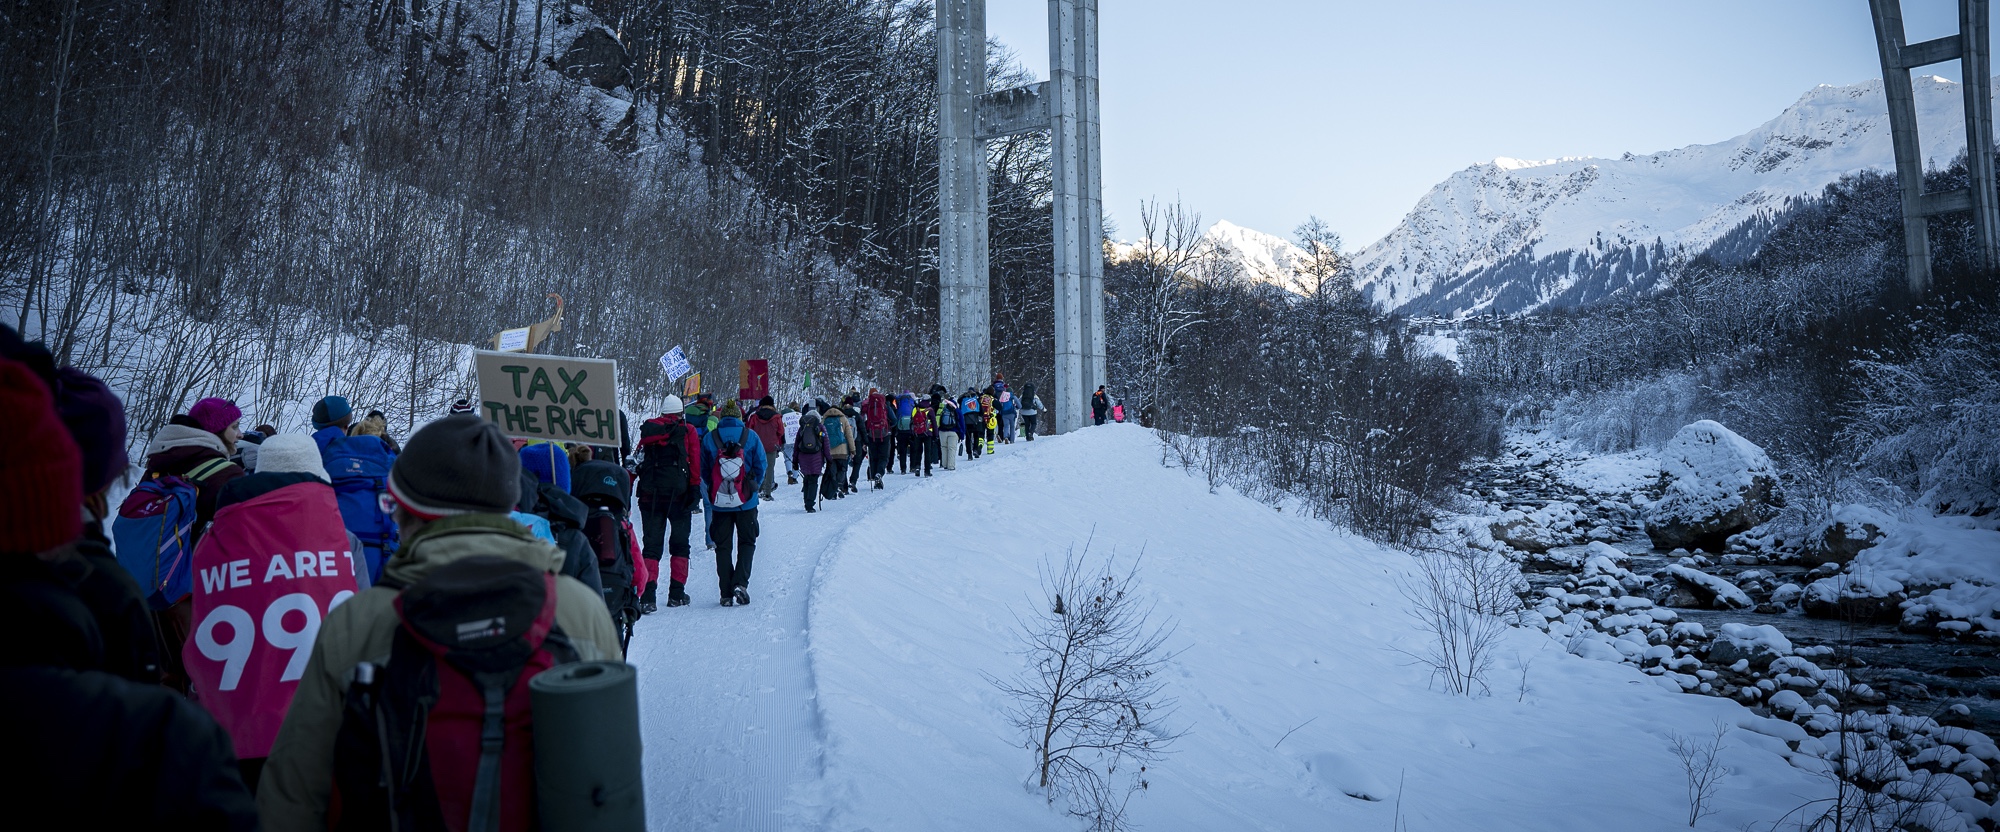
(755, 377)
(691, 387)
(550, 397)
(266, 575)
(513, 340)
(675, 364)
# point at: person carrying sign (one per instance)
(276, 559)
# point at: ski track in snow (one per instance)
(732, 733)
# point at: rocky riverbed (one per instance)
(1789, 627)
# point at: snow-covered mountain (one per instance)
(1266, 257)
(1512, 235)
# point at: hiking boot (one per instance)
(878, 485)
(648, 607)
(676, 594)
(729, 600)
(742, 597)
(791, 480)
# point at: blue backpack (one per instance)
(359, 468)
(834, 435)
(154, 533)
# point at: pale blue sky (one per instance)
(1264, 111)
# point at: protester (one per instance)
(944, 416)
(1100, 405)
(1031, 408)
(458, 406)
(358, 465)
(839, 448)
(282, 523)
(876, 427)
(96, 747)
(924, 437)
(732, 463)
(1003, 398)
(851, 405)
(452, 486)
(770, 430)
(988, 419)
(669, 485)
(971, 425)
(377, 425)
(792, 418)
(542, 469)
(189, 457)
(809, 452)
(905, 429)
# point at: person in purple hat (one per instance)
(196, 447)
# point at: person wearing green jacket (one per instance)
(453, 487)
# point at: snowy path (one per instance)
(727, 701)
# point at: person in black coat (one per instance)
(100, 744)
(565, 515)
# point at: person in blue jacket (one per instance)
(970, 423)
(732, 468)
(358, 465)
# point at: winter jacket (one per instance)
(95, 748)
(1100, 404)
(566, 515)
(875, 417)
(768, 425)
(293, 517)
(920, 422)
(732, 429)
(1002, 397)
(938, 413)
(297, 783)
(833, 421)
(701, 417)
(690, 444)
(176, 450)
(811, 464)
(1033, 406)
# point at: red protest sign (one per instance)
(755, 377)
(266, 573)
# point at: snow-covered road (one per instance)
(731, 728)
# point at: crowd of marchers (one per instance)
(336, 630)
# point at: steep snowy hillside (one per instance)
(1512, 235)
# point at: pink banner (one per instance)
(265, 575)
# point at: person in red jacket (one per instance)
(669, 485)
(769, 425)
(875, 428)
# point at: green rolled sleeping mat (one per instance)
(587, 751)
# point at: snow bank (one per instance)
(1944, 572)
(1287, 625)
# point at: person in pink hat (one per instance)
(195, 446)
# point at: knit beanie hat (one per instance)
(456, 465)
(673, 405)
(548, 462)
(294, 453)
(41, 494)
(461, 406)
(215, 415)
(96, 420)
(330, 410)
(730, 409)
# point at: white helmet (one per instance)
(673, 405)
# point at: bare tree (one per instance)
(1091, 702)
(1463, 601)
(1172, 255)
(1701, 760)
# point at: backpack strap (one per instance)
(207, 469)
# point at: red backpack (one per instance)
(442, 737)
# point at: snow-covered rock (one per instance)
(1759, 645)
(1848, 530)
(1512, 235)
(1707, 590)
(1720, 484)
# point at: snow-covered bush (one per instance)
(1932, 425)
